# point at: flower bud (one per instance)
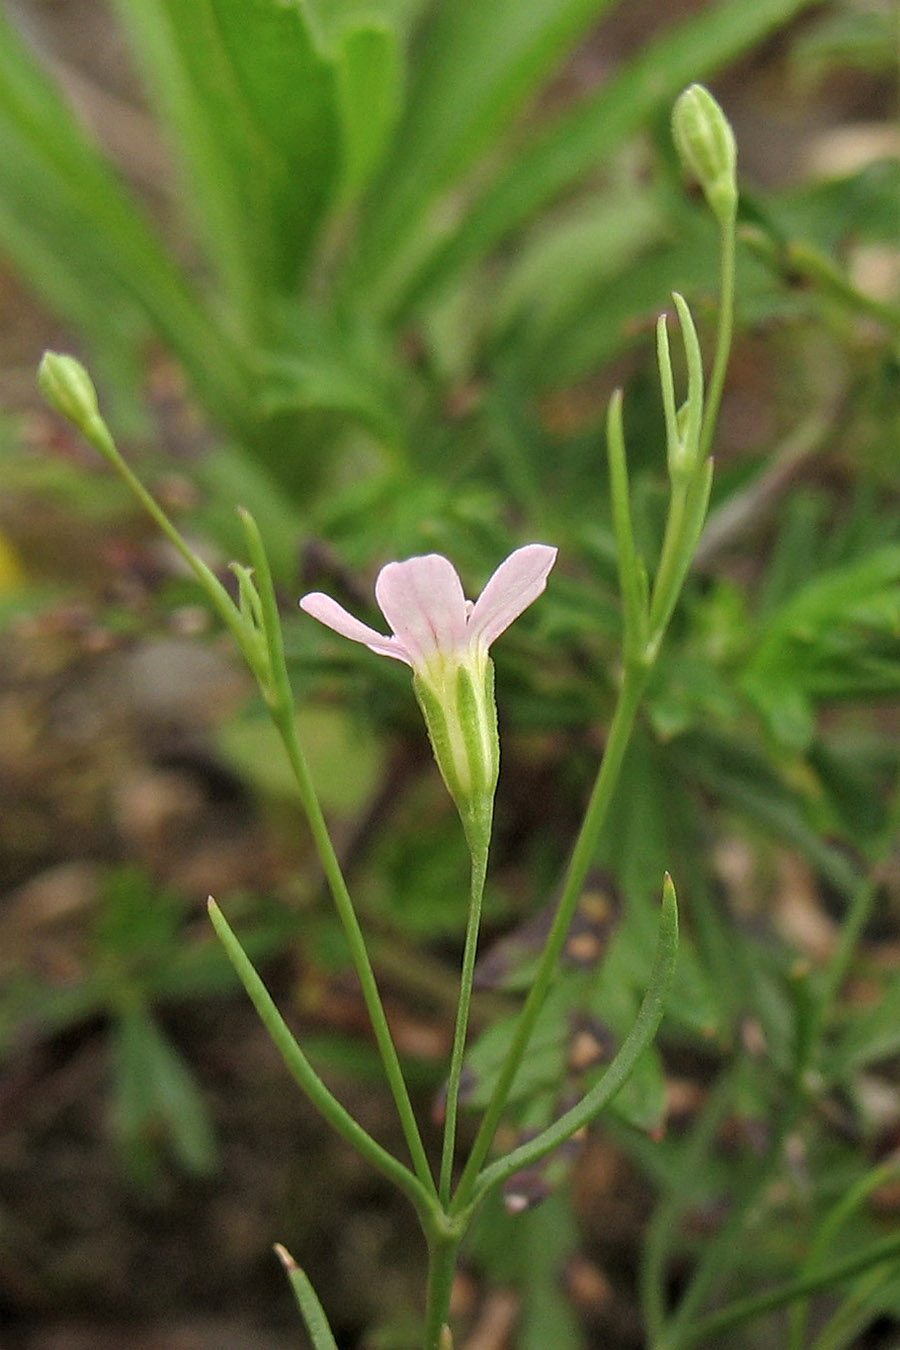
(68, 388)
(706, 146)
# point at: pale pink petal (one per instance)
(333, 615)
(422, 600)
(518, 581)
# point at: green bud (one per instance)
(706, 146)
(68, 388)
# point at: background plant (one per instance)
(427, 390)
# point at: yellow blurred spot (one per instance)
(12, 573)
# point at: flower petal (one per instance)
(422, 600)
(333, 615)
(518, 581)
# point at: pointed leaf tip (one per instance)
(284, 1256)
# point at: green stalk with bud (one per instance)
(445, 640)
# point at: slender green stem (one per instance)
(723, 337)
(856, 918)
(856, 1312)
(671, 563)
(479, 872)
(281, 706)
(632, 576)
(743, 1310)
(442, 1252)
(718, 1257)
(601, 1094)
(265, 655)
(845, 1208)
(664, 1224)
(304, 1073)
(99, 436)
(582, 859)
(806, 261)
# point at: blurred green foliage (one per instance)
(408, 271)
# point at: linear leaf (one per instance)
(250, 108)
(62, 200)
(582, 138)
(476, 64)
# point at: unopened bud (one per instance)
(68, 388)
(706, 146)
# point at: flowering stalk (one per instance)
(445, 640)
(706, 146)
(255, 625)
(646, 608)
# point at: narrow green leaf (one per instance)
(308, 1302)
(156, 1091)
(835, 637)
(304, 1074)
(582, 138)
(634, 600)
(369, 71)
(475, 66)
(250, 107)
(734, 772)
(559, 267)
(706, 1329)
(71, 226)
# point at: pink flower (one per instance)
(445, 639)
(433, 624)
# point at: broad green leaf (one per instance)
(474, 67)
(251, 109)
(546, 1237)
(72, 228)
(579, 140)
(361, 39)
(568, 258)
(544, 1065)
(615, 999)
(369, 72)
(80, 291)
(641, 1101)
(530, 1251)
(346, 761)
